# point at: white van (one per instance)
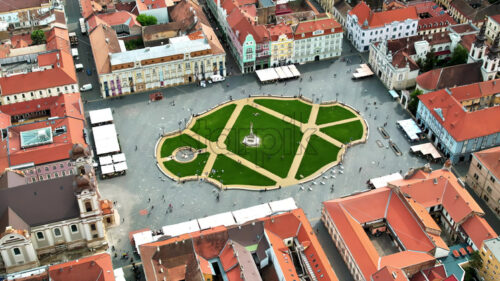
(83, 28)
(217, 78)
(79, 67)
(74, 52)
(86, 87)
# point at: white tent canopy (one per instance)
(225, 219)
(100, 116)
(287, 72)
(267, 75)
(426, 149)
(382, 181)
(243, 215)
(294, 70)
(105, 160)
(119, 158)
(107, 169)
(410, 127)
(143, 238)
(181, 228)
(283, 205)
(122, 166)
(105, 139)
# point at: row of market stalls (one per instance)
(111, 159)
(280, 73)
(414, 134)
(226, 219)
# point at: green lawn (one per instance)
(345, 132)
(295, 109)
(172, 144)
(192, 168)
(211, 126)
(328, 114)
(279, 140)
(236, 173)
(319, 152)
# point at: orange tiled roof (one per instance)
(441, 188)
(119, 17)
(389, 273)
(308, 27)
(378, 19)
(460, 124)
(478, 230)
(490, 158)
(61, 75)
(476, 90)
(98, 268)
(104, 41)
(144, 5)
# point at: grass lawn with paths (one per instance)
(328, 114)
(212, 125)
(171, 144)
(192, 168)
(236, 173)
(319, 152)
(279, 140)
(345, 132)
(294, 109)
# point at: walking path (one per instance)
(308, 129)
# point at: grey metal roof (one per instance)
(181, 45)
(41, 202)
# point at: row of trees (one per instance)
(459, 56)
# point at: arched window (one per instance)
(88, 206)
(16, 251)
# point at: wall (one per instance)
(41, 93)
(490, 270)
(480, 180)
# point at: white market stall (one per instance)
(267, 75)
(294, 70)
(100, 116)
(225, 219)
(142, 238)
(426, 150)
(410, 128)
(181, 228)
(105, 139)
(284, 205)
(243, 215)
(382, 181)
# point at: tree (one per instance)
(413, 103)
(459, 56)
(38, 37)
(146, 20)
(475, 260)
(429, 63)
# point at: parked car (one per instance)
(217, 78)
(79, 67)
(86, 87)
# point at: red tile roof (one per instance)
(119, 17)
(308, 27)
(388, 273)
(144, 5)
(496, 18)
(103, 40)
(216, 242)
(14, 5)
(490, 158)
(439, 21)
(478, 230)
(460, 124)
(378, 19)
(67, 107)
(93, 268)
(61, 75)
(476, 90)
(279, 29)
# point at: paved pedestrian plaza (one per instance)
(295, 141)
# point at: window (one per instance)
(479, 166)
(488, 189)
(74, 228)
(88, 206)
(93, 227)
(16, 251)
(57, 232)
(476, 176)
(39, 235)
(492, 179)
(486, 198)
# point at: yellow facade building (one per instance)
(490, 254)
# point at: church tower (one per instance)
(491, 62)
(478, 48)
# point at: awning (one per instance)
(283, 205)
(362, 71)
(119, 157)
(105, 160)
(382, 181)
(280, 73)
(287, 72)
(181, 228)
(410, 127)
(267, 75)
(426, 149)
(252, 213)
(122, 166)
(294, 70)
(142, 238)
(107, 169)
(100, 116)
(393, 94)
(105, 139)
(225, 219)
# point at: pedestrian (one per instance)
(149, 200)
(135, 147)
(360, 168)
(113, 248)
(116, 255)
(123, 220)
(152, 207)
